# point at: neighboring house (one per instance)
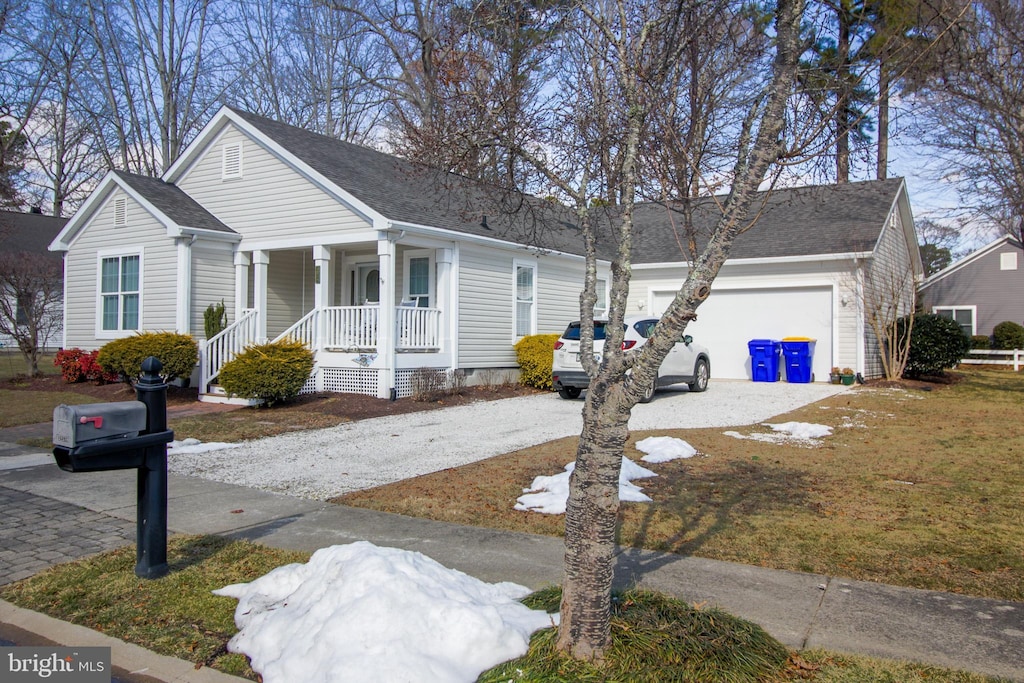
(816, 263)
(384, 268)
(980, 290)
(30, 233)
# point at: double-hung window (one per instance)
(120, 292)
(525, 298)
(419, 278)
(964, 316)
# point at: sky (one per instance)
(363, 613)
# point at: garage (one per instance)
(732, 317)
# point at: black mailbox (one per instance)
(126, 435)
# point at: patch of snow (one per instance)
(359, 612)
(802, 430)
(549, 494)
(664, 448)
(192, 446)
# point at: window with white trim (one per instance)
(525, 298)
(120, 212)
(1008, 260)
(120, 290)
(418, 288)
(964, 316)
(601, 307)
(231, 161)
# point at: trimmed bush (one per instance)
(1008, 335)
(178, 353)
(271, 372)
(534, 354)
(936, 343)
(980, 341)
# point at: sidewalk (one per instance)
(62, 516)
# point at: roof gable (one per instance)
(168, 204)
(973, 257)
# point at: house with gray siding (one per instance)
(382, 266)
(980, 290)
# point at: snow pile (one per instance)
(664, 448)
(359, 612)
(788, 432)
(549, 494)
(196, 446)
(802, 430)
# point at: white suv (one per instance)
(686, 362)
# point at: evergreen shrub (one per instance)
(936, 343)
(1008, 335)
(178, 353)
(534, 354)
(980, 341)
(271, 372)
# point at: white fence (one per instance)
(992, 357)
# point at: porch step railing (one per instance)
(306, 330)
(225, 345)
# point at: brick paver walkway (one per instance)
(37, 532)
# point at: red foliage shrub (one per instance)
(77, 365)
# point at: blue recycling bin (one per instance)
(798, 353)
(764, 359)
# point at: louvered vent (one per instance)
(232, 164)
(121, 212)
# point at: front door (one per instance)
(367, 289)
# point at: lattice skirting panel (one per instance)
(403, 383)
(310, 386)
(351, 380)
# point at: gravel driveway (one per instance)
(322, 463)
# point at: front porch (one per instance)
(398, 315)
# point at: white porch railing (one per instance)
(225, 345)
(985, 357)
(355, 328)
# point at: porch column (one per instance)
(242, 262)
(261, 260)
(183, 303)
(321, 276)
(386, 321)
(443, 265)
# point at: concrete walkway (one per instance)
(97, 510)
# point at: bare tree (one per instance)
(974, 111)
(889, 296)
(31, 292)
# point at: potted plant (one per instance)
(847, 377)
(835, 376)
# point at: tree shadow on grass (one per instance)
(698, 506)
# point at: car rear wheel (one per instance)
(701, 375)
(569, 393)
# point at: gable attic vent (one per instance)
(231, 166)
(121, 212)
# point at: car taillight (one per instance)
(628, 344)
(558, 345)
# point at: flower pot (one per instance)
(848, 380)
(835, 378)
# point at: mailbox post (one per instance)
(126, 435)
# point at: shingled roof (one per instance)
(803, 221)
(28, 232)
(173, 202)
(407, 192)
(806, 221)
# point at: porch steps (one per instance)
(217, 394)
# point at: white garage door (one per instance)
(732, 317)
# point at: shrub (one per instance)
(1008, 335)
(215, 319)
(534, 354)
(178, 353)
(77, 365)
(271, 372)
(433, 384)
(936, 343)
(980, 341)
